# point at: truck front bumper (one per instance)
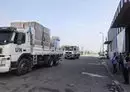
(4, 64)
(4, 69)
(69, 56)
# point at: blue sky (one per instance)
(76, 22)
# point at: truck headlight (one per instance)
(3, 61)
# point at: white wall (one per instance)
(121, 41)
(118, 41)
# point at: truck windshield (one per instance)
(69, 48)
(5, 37)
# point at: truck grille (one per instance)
(68, 53)
(0, 50)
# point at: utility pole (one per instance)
(102, 42)
(82, 49)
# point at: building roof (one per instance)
(122, 15)
(107, 42)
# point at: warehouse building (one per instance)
(119, 32)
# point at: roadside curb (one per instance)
(115, 82)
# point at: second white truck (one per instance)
(26, 44)
(71, 52)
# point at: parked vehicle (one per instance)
(24, 45)
(71, 52)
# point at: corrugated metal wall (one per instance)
(112, 33)
(112, 36)
(121, 41)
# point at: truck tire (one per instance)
(50, 63)
(24, 66)
(73, 58)
(65, 57)
(78, 57)
(56, 63)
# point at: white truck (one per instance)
(71, 52)
(24, 45)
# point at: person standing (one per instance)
(114, 62)
(126, 69)
(121, 63)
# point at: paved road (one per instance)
(83, 75)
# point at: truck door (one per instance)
(19, 46)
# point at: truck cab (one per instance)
(13, 43)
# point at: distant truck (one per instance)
(71, 52)
(26, 44)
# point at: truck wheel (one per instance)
(73, 58)
(77, 57)
(50, 63)
(56, 62)
(24, 66)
